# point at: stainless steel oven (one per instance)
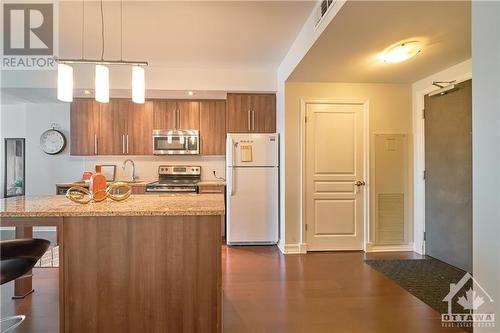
(176, 142)
(176, 179)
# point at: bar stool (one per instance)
(18, 256)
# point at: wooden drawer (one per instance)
(211, 189)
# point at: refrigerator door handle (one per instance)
(232, 168)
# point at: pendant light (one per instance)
(138, 84)
(102, 71)
(102, 85)
(64, 83)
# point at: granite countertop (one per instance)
(82, 183)
(144, 183)
(212, 183)
(135, 205)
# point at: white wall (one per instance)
(157, 78)
(44, 171)
(304, 41)
(486, 151)
(459, 72)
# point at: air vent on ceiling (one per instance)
(322, 9)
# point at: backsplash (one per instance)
(146, 167)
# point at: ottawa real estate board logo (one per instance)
(465, 301)
(28, 35)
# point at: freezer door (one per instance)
(252, 209)
(252, 150)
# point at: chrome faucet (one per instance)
(133, 168)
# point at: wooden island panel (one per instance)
(142, 274)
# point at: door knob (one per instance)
(359, 183)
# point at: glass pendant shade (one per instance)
(138, 84)
(102, 83)
(64, 83)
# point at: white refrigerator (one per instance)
(252, 189)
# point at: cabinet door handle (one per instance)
(249, 121)
(127, 143)
(123, 143)
(95, 144)
(253, 120)
(177, 119)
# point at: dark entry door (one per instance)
(448, 183)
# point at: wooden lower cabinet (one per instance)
(211, 188)
(213, 127)
(141, 274)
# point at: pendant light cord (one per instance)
(83, 26)
(102, 32)
(121, 29)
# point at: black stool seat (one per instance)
(18, 256)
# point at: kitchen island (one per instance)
(151, 263)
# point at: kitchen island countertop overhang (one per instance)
(136, 205)
(151, 263)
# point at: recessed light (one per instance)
(87, 92)
(401, 51)
(190, 93)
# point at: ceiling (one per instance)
(348, 49)
(228, 34)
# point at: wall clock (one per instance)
(52, 141)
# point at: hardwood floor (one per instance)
(265, 291)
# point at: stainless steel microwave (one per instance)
(176, 142)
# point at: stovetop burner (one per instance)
(176, 178)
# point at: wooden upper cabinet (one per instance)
(139, 137)
(84, 127)
(188, 115)
(113, 127)
(213, 127)
(164, 114)
(171, 114)
(251, 113)
(238, 113)
(264, 113)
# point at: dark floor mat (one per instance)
(427, 279)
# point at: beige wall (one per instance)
(390, 108)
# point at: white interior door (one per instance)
(334, 164)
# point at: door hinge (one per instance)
(305, 119)
(306, 227)
(425, 238)
(423, 113)
(425, 174)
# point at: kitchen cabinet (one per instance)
(238, 113)
(170, 114)
(213, 127)
(251, 113)
(211, 188)
(264, 113)
(139, 139)
(113, 127)
(84, 124)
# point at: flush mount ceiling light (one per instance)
(401, 51)
(65, 71)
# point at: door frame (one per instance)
(366, 166)
(419, 157)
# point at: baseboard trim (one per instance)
(293, 248)
(389, 248)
